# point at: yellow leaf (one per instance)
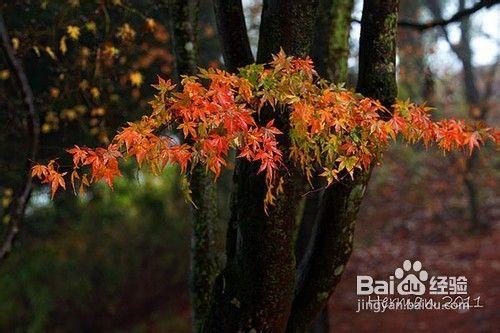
(74, 3)
(5, 202)
(80, 108)
(69, 114)
(98, 112)
(4, 74)
(111, 51)
(15, 43)
(62, 45)
(150, 24)
(46, 128)
(95, 92)
(136, 78)
(50, 53)
(126, 33)
(37, 50)
(73, 32)
(91, 26)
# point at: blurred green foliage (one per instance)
(105, 260)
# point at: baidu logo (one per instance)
(405, 289)
(412, 276)
(407, 280)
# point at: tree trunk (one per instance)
(202, 185)
(259, 289)
(256, 288)
(330, 54)
(411, 47)
(477, 110)
(331, 41)
(476, 113)
(331, 243)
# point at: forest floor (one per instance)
(444, 248)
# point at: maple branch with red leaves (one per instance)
(331, 128)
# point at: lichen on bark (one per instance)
(331, 243)
(184, 14)
(260, 274)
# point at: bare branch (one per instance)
(22, 196)
(459, 15)
(441, 22)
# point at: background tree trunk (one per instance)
(476, 101)
(202, 184)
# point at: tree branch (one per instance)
(233, 34)
(459, 15)
(441, 22)
(331, 41)
(18, 205)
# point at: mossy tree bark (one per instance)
(331, 244)
(331, 41)
(330, 53)
(259, 289)
(255, 290)
(377, 51)
(184, 15)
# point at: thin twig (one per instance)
(21, 198)
(459, 15)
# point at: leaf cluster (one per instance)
(333, 132)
